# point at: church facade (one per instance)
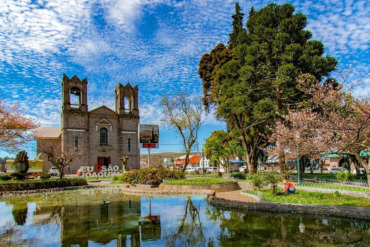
(100, 136)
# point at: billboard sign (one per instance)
(149, 136)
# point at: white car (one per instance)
(338, 169)
(211, 169)
(242, 168)
(190, 170)
(53, 171)
(362, 170)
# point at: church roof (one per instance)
(47, 132)
(103, 110)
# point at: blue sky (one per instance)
(154, 44)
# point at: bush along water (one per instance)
(149, 176)
(45, 176)
(5, 177)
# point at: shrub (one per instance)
(5, 177)
(258, 181)
(150, 176)
(45, 176)
(342, 176)
(238, 175)
(271, 178)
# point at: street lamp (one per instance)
(202, 161)
(298, 172)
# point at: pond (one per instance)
(96, 217)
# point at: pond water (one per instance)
(96, 217)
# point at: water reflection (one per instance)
(19, 212)
(110, 218)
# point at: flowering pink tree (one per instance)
(331, 120)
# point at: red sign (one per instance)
(148, 145)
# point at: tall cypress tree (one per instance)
(255, 77)
(238, 33)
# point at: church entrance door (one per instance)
(104, 161)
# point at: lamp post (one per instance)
(202, 160)
(298, 170)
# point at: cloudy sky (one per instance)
(156, 44)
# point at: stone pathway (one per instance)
(236, 194)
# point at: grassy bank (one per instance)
(34, 184)
(314, 198)
(198, 181)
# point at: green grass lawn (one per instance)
(334, 186)
(198, 181)
(314, 198)
(328, 176)
(209, 175)
(98, 179)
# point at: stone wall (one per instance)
(337, 211)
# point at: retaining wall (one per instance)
(362, 213)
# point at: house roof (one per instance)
(194, 159)
(47, 132)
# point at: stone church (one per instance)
(100, 136)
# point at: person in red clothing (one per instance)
(289, 187)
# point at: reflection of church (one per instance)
(101, 222)
(99, 136)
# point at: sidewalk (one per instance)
(236, 194)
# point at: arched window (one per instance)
(129, 144)
(103, 137)
(76, 141)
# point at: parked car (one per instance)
(338, 169)
(190, 170)
(242, 168)
(211, 169)
(362, 170)
(53, 171)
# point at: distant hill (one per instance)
(157, 158)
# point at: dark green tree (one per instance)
(253, 79)
(239, 34)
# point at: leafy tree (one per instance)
(219, 147)
(238, 33)
(15, 127)
(185, 115)
(254, 78)
(331, 121)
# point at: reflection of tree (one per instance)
(20, 213)
(268, 229)
(190, 231)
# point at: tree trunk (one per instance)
(186, 160)
(273, 188)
